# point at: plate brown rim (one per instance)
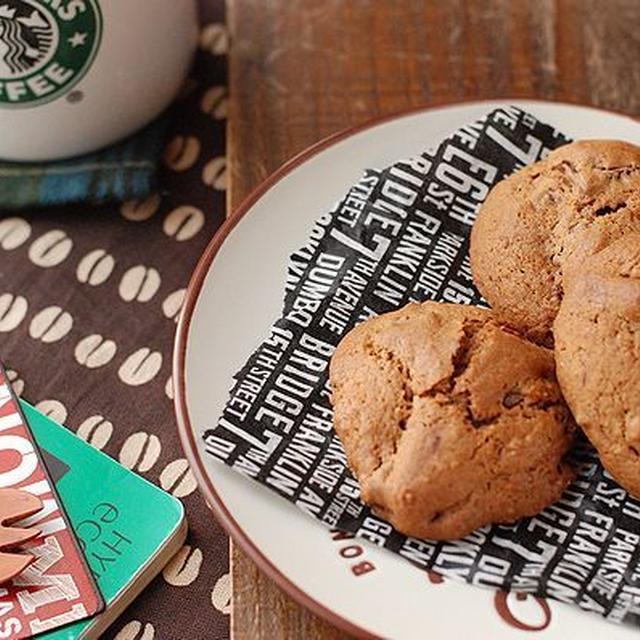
(194, 287)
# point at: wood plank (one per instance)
(303, 69)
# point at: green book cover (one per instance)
(127, 527)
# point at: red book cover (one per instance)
(57, 587)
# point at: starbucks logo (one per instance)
(26, 39)
(46, 47)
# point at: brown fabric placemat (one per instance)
(88, 301)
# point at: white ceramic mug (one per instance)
(77, 75)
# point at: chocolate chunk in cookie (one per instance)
(449, 420)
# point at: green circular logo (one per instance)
(46, 47)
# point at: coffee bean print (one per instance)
(109, 377)
(50, 249)
(178, 479)
(168, 388)
(95, 351)
(140, 367)
(183, 223)
(214, 102)
(54, 409)
(17, 383)
(214, 173)
(221, 594)
(140, 451)
(214, 39)
(95, 268)
(139, 284)
(96, 431)
(182, 153)
(13, 233)
(13, 309)
(134, 630)
(140, 210)
(50, 325)
(173, 304)
(184, 567)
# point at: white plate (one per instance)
(235, 294)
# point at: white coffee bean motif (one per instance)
(140, 367)
(221, 594)
(95, 268)
(214, 173)
(168, 388)
(50, 249)
(13, 309)
(140, 451)
(178, 479)
(183, 223)
(184, 567)
(17, 383)
(96, 430)
(214, 39)
(13, 233)
(140, 210)
(173, 304)
(103, 267)
(54, 409)
(95, 351)
(214, 102)
(139, 283)
(50, 325)
(134, 630)
(182, 153)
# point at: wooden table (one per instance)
(303, 69)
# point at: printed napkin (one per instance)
(401, 234)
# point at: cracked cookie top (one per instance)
(547, 217)
(449, 420)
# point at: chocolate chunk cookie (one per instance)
(597, 335)
(544, 218)
(448, 420)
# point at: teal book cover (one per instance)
(127, 528)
